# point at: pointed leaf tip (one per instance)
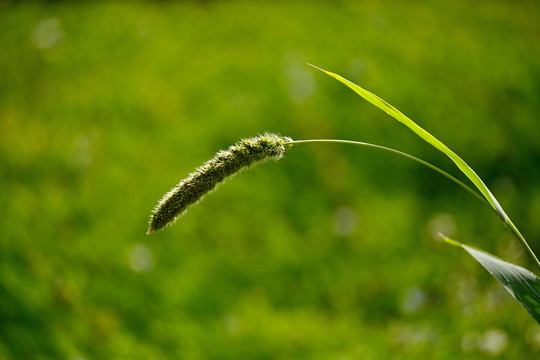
(318, 68)
(521, 283)
(447, 240)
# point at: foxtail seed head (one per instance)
(226, 163)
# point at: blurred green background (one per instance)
(329, 254)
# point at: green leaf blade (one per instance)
(421, 132)
(522, 284)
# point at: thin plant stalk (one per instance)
(509, 224)
(405, 155)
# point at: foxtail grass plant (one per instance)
(225, 164)
(520, 282)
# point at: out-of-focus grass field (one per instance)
(330, 254)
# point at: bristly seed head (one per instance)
(226, 163)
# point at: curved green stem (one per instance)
(509, 224)
(405, 155)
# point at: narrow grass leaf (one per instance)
(396, 114)
(461, 164)
(520, 282)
